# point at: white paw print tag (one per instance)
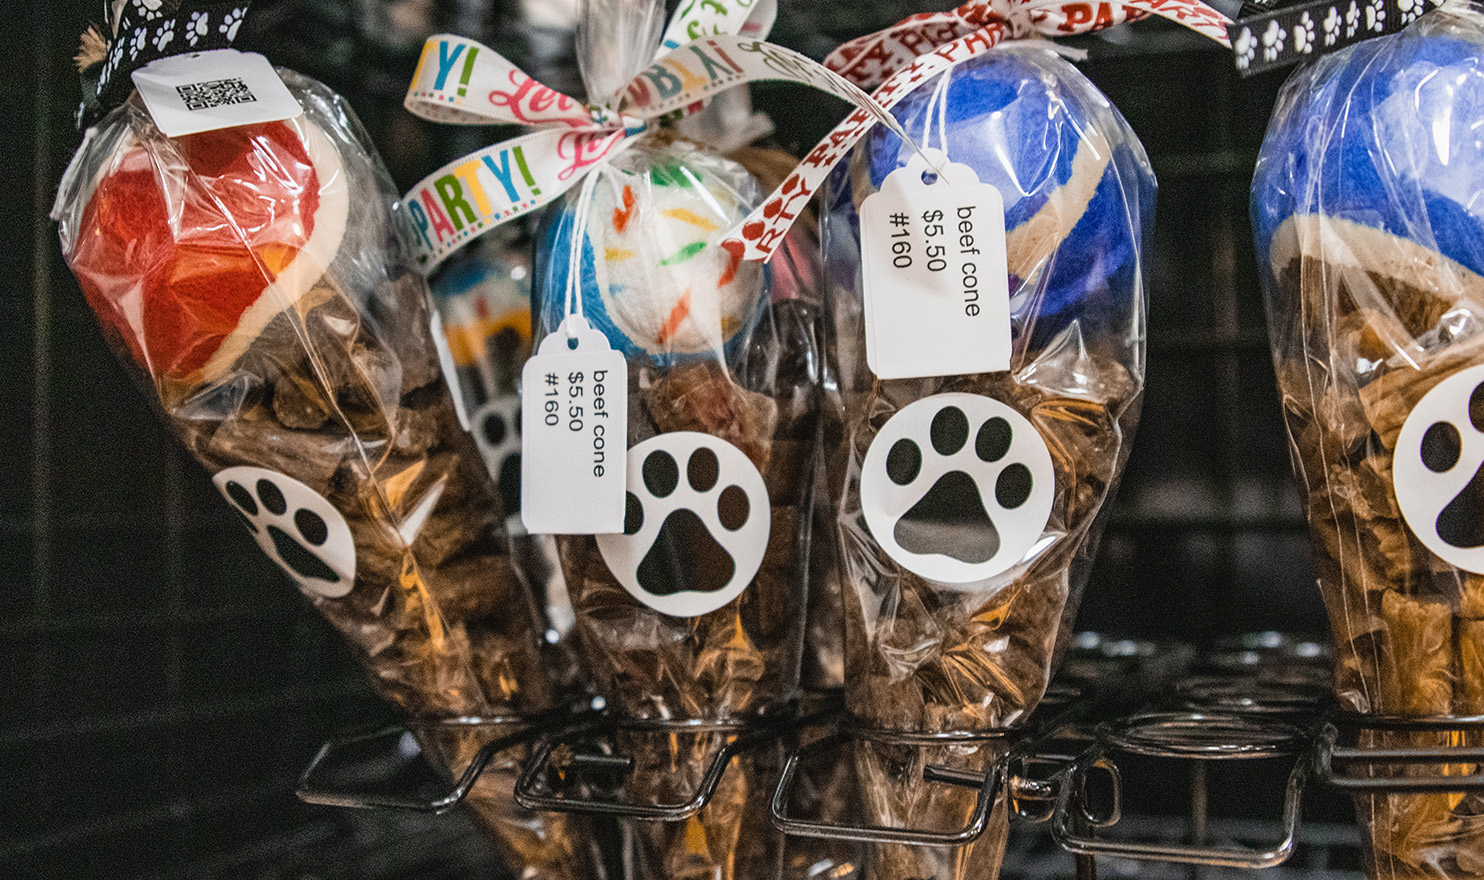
(1438, 472)
(696, 525)
(957, 487)
(295, 526)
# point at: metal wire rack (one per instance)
(1254, 700)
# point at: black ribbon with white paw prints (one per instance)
(1286, 36)
(148, 30)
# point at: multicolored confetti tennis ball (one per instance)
(1078, 189)
(1374, 160)
(652, 275)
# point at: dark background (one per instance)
(162, 684)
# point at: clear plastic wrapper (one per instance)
(1370, 240)
(926, 656)
(829, 786)
(483, 296)
(711, 357)
(798, 276)
(287, 341)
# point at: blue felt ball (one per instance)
(1078, 189)
(1387, 134)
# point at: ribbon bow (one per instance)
(918, 48)
(461, 81)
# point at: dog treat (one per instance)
(1368, 236)
(289, 345)
(697, 611)
(967, 506)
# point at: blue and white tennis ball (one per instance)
(653, 276)
(1374, 159)
(1077, 185)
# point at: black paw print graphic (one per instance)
(1438, 471)
(957, 487)
(695, 526)
(496, 426)
(295, 526)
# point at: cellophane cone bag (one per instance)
(697, 611)
(254, 280)
(923, 654)
(1369, 228)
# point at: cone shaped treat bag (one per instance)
(687, 573)
(968, 504)
(1370, 238)
(695, 613)
(254, 278)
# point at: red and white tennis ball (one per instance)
(191, 245)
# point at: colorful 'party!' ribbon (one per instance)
(461, 81)
(909, 53)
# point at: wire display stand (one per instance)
(581, 769)
(385, 767)
(987, 784)
(1261, 698)
(1190, 736)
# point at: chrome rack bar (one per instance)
(396, 744)
(581, 753)
(1102, 678)
(1195, 736)
(987, 783)
(1460, 770)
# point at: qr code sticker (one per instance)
(217, 93)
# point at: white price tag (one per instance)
(205, 91)
(936, 286)
(574, 434)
